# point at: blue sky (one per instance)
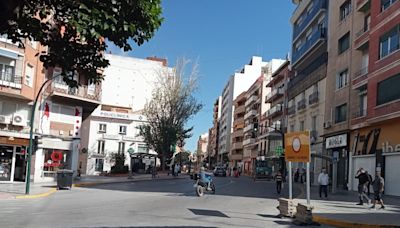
(221, 35)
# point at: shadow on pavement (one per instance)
(225, 186)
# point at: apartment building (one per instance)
(21, 75)
(202, 145)
(375, 112)
(273, 119)
(306, 88)
(237, 83)
(113, 127)
(213, 133)
(236, 155)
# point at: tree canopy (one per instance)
(172, 104)
(76, 31)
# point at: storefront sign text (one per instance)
(336, 141)
(387, 148)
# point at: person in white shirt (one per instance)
(323, 181)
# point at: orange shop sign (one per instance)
(297, 146)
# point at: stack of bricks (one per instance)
(287, 207)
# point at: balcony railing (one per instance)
(301, 104)
(319, 6)
(252, 112)
(313, 98)
(274, 93)
(363, 5)
(292, 110)
(361, 72)
(10, 80)
(249, 141)
(84, 91)
(275, 110)
(251, 99)
(237, 145)
(361, 32)
(317, 35)
(248, 128)
(359, 113)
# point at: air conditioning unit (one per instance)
(19, 120)
(5, 119)
(327, 124)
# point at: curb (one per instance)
(48, 193)
(346, 224)
(88, 184)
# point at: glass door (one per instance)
(6, 154)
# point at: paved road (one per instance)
(239, 202)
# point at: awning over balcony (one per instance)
(8, 54)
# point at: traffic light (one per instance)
(35, 144)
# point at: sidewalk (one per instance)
(340, 209)
(37, 190)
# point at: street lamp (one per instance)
(32, 117)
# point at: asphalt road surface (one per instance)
(238, 202)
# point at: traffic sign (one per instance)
(297, 146)
(131, 151)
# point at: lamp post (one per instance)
(32, 118)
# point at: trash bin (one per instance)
(64, 178)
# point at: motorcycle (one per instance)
(201, 187)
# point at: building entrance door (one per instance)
(6, 155)
(20, 165)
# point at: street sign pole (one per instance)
(290, 181)
(308, 173)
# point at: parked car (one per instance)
(220, 171)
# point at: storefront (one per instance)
(377, 148)
(337, 149)
(12, 159)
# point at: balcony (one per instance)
(276, 110)
(359, 113)
(237, 133)
(249, 141)
(362, 38)
(236, 156)
(249, 127)
(359, 77)
(301, 104)
(317, 36)
(359, 117)
(313, 98)
(237, 146)
(251, 99)
(319, 7)
(86, 96)
(292, 110)
(250, 113)
(274, 94)
(238, 121)
(363, 5)
(239, 109)
(10, 80)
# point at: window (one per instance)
(309, 8)
(345, 9)
(291, 128)
(363, 103)
(341, 79)
(100, 146)
(7, 73)
(388, 90)
(308, 34)
(341, 113)
(122, 130)
(301, 125)
(314, 123)
(121, 147)
(386, 3)
(99, 165)
(389, 42)
(344, 43)
(29, 72)
(103, 128)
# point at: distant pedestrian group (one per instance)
(364, 182)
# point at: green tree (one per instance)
(182, 157)
(171, 106)
(75, 31)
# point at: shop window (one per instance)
(99, 165)
(55, 160)
(6, 154)
(388, 90)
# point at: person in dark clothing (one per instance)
(378, 185)
(296, 176)
(363, 180)
(278, 180)
(369, 182)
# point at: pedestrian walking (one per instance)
(362, 177)
(296, 176)
(278, 179)
(323, 181)
(369, 182)
(378, 185)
